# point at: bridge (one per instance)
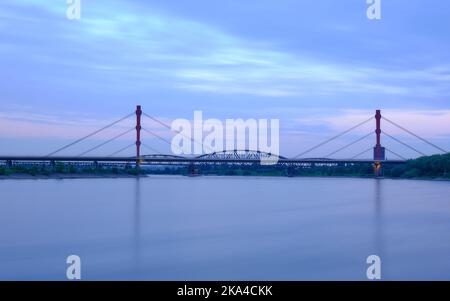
(230, 157)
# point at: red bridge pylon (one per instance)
(379, 152)
(138, 135)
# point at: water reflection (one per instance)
(137, 224)
(378, 219)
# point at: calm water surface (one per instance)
(214, 228)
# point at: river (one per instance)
(224, 228)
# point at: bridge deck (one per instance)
(185, 160)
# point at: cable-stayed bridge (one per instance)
(234, 156)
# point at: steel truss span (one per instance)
(240, 154)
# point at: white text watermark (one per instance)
(213, 135)
(374, 270)
(73, 271)
(374, 9)
(73, 11)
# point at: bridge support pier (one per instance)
(290, 171)
(377, 168)
(192, 171)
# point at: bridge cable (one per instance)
(348, 145)
(122, 149)
(403, 143)
(178, 132)
(159, 137)
(394, 153)
(334, 137)
(150, 148)
(90, 135)
(415, 135)
(106, 142)
(361, 153)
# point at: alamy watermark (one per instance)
(212, 135)
(73, 271)
(374, 9)
(73, 11)
(374, 270)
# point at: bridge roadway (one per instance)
(167, 159)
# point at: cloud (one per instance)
(130, 46)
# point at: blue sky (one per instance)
(318, 66)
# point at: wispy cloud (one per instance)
(121, 44)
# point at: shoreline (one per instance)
(57, 176)
(62, 176)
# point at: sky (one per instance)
(318, 66)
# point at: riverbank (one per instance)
(24, 176)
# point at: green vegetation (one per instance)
(3, 171)
(273, 171)
(431, 167)
(61, 168)
(437, 166)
